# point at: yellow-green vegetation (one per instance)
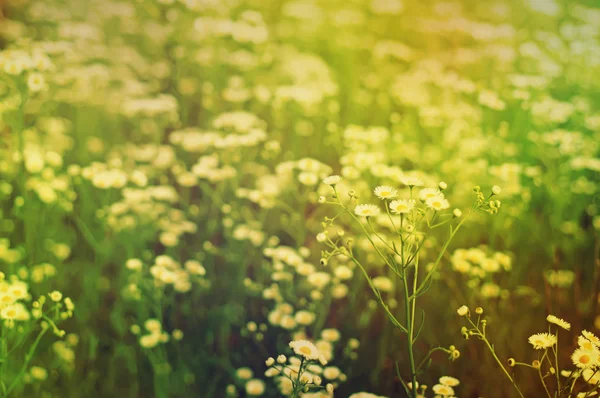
(299, 198)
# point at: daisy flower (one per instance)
(385, 192)
(305, 348)
(412, 181)
(584, 343)
(541, 341)
(559, 321)
(443, 390)
(366, 210)
(332, 180)
(401, 206)
(427, 193)
(437, 203)
(591, 337)
(585, 359)
(449, 381)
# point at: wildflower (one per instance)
(36, 82)
(281, 359)
(542, 340)
(462, 311)
(449, 381)
(255, 387)
(329, 388)
(457, 213)
(305, 348)
(442, 185)
(412, 182)
(511, 362)
(332, 180)
(584, 359)
(437, 203)
(366, 210)
(385, 192)
(322, 360)
(270, 361)
(427, 193)
(443, 390)
(401, 206)
(591, 337)
(134, 264)
(496, 190)
(559, 321)
(9, 313)
(244, 373)
(479, 310)
(177, 334)
(55, 296)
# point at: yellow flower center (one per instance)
(584, 358)
(305, 350)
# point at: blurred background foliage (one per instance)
(192, 136)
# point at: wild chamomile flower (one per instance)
(305, 348)
(443, 390)
(402, 206)
(427, 193)
(541, 341)
(584, 343)
(449, 381)
(462, 311)
(559, 321)
(412, 182)
(366, 210)
(584, 359)
(332, 180)
(385, 192)
(591, 337)
(437, 203)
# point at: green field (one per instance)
(299, 198)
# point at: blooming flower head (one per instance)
(591, 337)
(402, 206)
(332, 180)
(558, 321)
(443, 390)
(385, 192)
(541, 341)
(449, 381)
(584, 343)
(427, 193)
(438, 202)
(412, 182)
(305, 348)
(366, 210)
(584, 359)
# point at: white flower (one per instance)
(366, 210)
(462, 311)
(402, 206)
(332, 180)
(437, 203)
(427, 193)
(385, 192)
(305, 348)
(496, 190)
(412, 181)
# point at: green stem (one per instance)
(28, 359)
(409, 335)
